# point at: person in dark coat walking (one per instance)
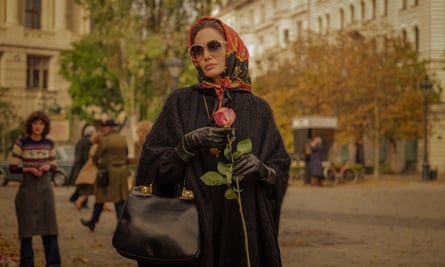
(316, 167)
(111, 153)
(81, 155)
(307, 163)
(34, 202)
(182, 142)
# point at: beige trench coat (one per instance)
(88, 173)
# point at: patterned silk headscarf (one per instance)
(236, 74)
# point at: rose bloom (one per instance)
(224, 117)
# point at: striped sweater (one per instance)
(31, 153)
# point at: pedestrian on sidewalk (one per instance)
(81, 155)
(187, 140)
(112, 153)
(316, 167)
(307, 163)
(87, 176)
(34, 202)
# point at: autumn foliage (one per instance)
(364, 78)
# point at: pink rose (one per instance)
(224, 117)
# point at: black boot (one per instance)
(75, 195)
(88, 224)
(97, 210)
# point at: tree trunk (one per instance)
(376, 139)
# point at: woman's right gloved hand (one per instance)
(202, 137)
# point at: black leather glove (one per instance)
(202, 137)
(249, 164)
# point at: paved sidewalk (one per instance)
(395, 221)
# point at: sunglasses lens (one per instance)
(214, 46)
(196, 50)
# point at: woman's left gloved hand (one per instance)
(249, 164)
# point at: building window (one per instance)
(416, 38)
(362, 7)
(342, 19)
(320, 25)
(37, 73)
(286, 36)
(328, 23)
(32, 14)
(263, 13)
(415, 2)
(351, 9)
(374, 9)
(404, 36)
(299, 30)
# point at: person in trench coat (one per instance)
(112, 153)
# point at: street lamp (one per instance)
(426, 87)
(175, 66)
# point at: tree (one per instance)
(364, 78)
(9, 130)
(130, 41)
(94, 89)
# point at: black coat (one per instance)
(316, 161)
(81, 155)
(222, 242)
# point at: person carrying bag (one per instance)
(112, 154)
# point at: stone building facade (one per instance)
(32, 35)
(270, 25)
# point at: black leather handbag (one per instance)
(102, 179)
(158, 230)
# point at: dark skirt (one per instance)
(35, 206)
(86, 189)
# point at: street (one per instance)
(390, 222)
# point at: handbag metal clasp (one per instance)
(187, 194)
(145, 189)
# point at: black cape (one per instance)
(222, 240)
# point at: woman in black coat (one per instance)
(182, 141)
(315, 162)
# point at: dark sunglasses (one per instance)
(213, 46)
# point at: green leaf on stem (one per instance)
(229, 194)
(212, 178)
(244, 146)
(226, 170)
(237, 155)
(228, 153)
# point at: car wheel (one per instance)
(350, 176)
(59, 178)
(3, 180)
